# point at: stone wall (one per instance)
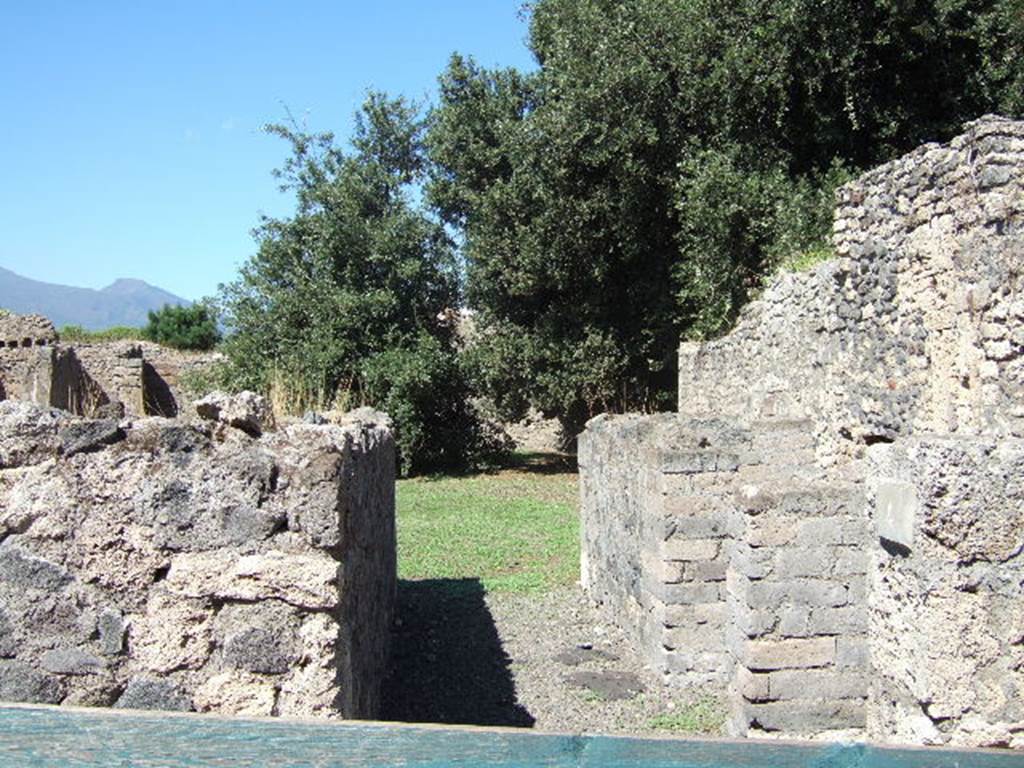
(140, 378)
(915, 328)
(735, 561)
(27, 357)
(947, 600)
(870, 523)
(160, 564)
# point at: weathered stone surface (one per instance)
(784, 654)
(196, 565)
(307, 581)
(143, 693)
(28, 433)
(111, 628)
(23, 570)
(851, 454)
(21, 683)
(8, 645)
(90, 435)
(231, 694)
(71, 661)
(256, 650)
(246, 411)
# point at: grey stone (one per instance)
(22, 569)
(143, 693)
(804, 717)
(111, 627)
(7, 642)
(71, 661)
(817, 684)
(256, 650)
(91, 435)
(610, 685)
(21, 683)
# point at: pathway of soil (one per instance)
(543, 661)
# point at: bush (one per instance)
(425, 391)
(343, 303)
(77, 333)
(183, 327)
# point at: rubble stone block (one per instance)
(791, 653)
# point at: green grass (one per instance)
(705, 715)
(801, 262)
(517, 530)
(73, 333)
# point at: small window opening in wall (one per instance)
(12, 343)
(40, 342)
(26, 342)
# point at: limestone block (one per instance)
(817, 684)
(790, 653)
(678, 548)
(751, 685)
(304, 580)
(235, 693)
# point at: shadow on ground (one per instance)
(448, 664)
(543, 463)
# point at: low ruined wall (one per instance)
(137, 377)
(915, 328)
(861, 488)
(159, 564)
(734, 562)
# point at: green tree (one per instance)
(663, 158)
(354, 284)
(183, 327)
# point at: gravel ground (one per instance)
(546, 661)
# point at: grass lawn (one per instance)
(517, 529)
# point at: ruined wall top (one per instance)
(26, 330)
(915, 327)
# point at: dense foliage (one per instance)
(183, 327)
(343, 302)
(80, 334)
(667, 155)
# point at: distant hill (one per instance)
(123, 302)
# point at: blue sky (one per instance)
(130, 142)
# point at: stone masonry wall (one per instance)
(154, 563)
(140, 378)
(915, 328)
(871, 528)
(734, 560)
(947, 609)
(27, 357)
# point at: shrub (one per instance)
(191, 327)
(77, 333)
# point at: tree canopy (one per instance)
(183, 327)
(343, 302)
(666, 155)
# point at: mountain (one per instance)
(123, 302)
